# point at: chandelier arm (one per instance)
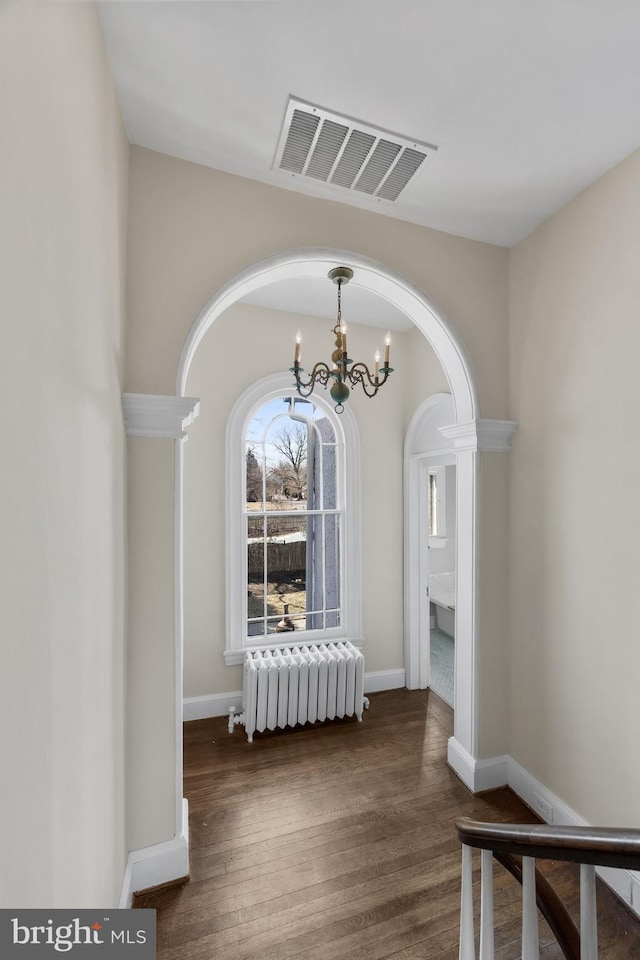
(320, 374)
(359, 371)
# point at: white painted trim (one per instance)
(485, 436)
(528, 787)
(479, 775)
(161, 863)
(311, 262)
(415, 425)
(494, 436)
(213, 705)
(217, 704)
(178, 628)
(346, 429)
(465, 718)
(149, 415)
(381, 680)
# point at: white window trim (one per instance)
(440, 540)
(351, 573)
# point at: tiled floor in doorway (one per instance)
(442, 648)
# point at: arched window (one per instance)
(292, 528)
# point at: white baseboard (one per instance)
(161, 863)
(217, 704)
(213, 705)
(479, 775)
(383, 680)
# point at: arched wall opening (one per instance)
(315, 263)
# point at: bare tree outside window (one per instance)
(254, 477)
(291, 470)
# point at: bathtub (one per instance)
(442, 594)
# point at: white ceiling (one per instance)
(528, 101)
(318, 298)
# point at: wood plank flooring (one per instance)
(336, 842)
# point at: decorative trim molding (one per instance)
(149, 415)
(217, 704)
(479, 775)
(485, 436)
(495, 435)
(160, 863)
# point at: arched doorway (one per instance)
(315, 263)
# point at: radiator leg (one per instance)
(234, 718)
(365, 706)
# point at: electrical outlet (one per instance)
(543, 808)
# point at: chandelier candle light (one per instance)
(342, 369)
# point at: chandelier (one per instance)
(342, 370)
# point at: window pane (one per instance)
(332, 570)
(329, 476)
(286, 573)
(255, 570)
(315, 568)
(292, 551)
(433, 505)
(255, 474)
(286, 453)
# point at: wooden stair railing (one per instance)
(516, 847)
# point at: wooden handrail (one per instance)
(601, 846)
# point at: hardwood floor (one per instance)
(336, 842)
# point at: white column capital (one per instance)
(149, 415)
(480, 435)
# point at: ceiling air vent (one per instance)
(324, 146)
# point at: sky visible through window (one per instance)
(277, 408)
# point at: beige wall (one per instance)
(63, 181)
(575, 519)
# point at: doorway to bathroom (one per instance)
(431, 543)
(439, 586)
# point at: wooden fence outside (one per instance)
(283, 559)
